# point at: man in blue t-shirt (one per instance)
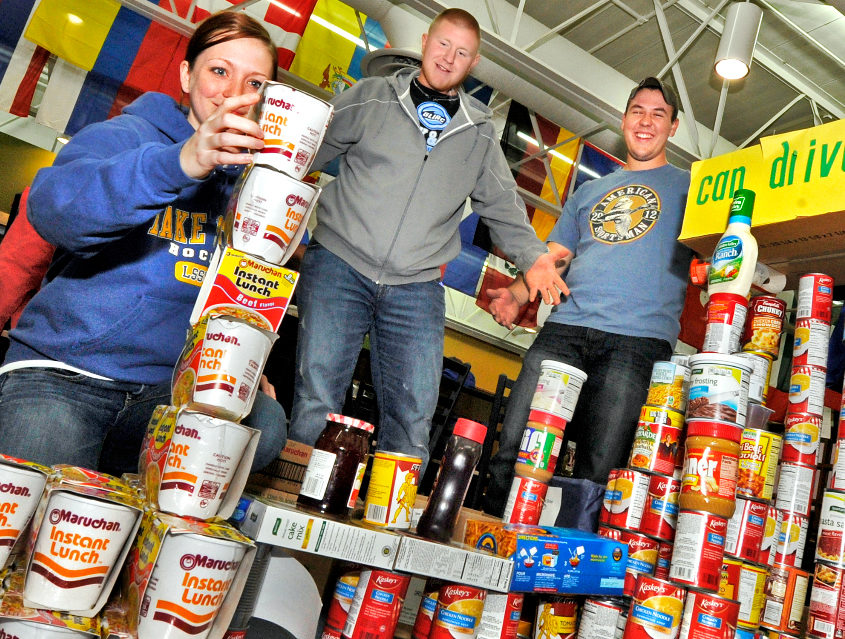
(627, 277)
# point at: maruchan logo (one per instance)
(296, 200)
(6, 635)
(278, 102)
(58, 515)
(386, 581)
(222, 337)
(12, 489)
(189, 562)
(193, 433)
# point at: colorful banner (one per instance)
(21, 61)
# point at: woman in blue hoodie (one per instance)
(132, 206)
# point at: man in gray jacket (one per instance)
(412, 148)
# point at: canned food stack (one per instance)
(552, 406)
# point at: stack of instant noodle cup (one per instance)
(552, 406)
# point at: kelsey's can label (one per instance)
(458, 611)
(815, 297)
(656, 609)
(699, 549)
(375, 609)
(811, 343)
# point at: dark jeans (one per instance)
(55, 416)
(618, 370)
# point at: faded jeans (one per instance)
(337, 307)
(54, 416)
(618, 370)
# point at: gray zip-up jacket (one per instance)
(393, 211)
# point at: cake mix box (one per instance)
(551, 559)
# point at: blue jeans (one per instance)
(53, 416)
(337, 307)
(618, 370)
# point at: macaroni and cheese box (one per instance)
(549, 559)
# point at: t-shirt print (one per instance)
(625, 214)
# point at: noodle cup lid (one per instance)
(549, 419)
(350, 421)
(471, 430)
(712, 428)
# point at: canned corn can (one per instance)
(726, 314)
(802, 433)
(815, 297)
(392, 490)
(699, 549)
(810, 343)
(656, 609)
(708, 616)
(764, 325)
(759, 451)
(668, 386)
(374, 611)
(786, 591)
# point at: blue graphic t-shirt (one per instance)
(629, 273)
(434, 110)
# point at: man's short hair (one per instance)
(460, 17)
(653, 83)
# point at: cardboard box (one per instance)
(799, 213)
(287, 527)
(549, 559)
(284, 474)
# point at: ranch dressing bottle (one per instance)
(735, 257)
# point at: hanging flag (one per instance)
(499, 273)
(74, 30)
(21, 61)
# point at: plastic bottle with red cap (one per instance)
(463, 450)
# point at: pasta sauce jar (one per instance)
(710, 467)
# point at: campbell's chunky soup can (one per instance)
(718, 388)
(656, 609)
(220, 367)
(294, 123)
(764, 325)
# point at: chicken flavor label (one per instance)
(625, 214)
(727, 260)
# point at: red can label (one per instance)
(642, 554)
(791, 538)
(602, 619)
(764, 325)
(806, 390)
(607, 503)
(344, 593)
(657, 447)
(708, 616)
(458, 611)
(769, 543)
(500, 619)
(699, 549)
(746, 529)
(656, 610)
(827, 602)
(628, 498)
(525, 501)
(811, 343)
(425, 615)
(725, 321)
(661, 508)
(801, 438)
(664, 559)
(815, 297)
(796, 484)
(374, 611)
(831, 542)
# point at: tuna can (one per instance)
(525, 501)
(392, 490)
(768, 544)
(801, 438)
(557, 618)
(699, 549)
(294, 123)
(374, 611)
(827, 602)
(500, 618)
(668, 386)
(558, 387)
(830, 546)
(718, 388)
(708, 616)
(764, 325)
(746, 528)
(791, 539)
(600, 618)
(795, 487)
(759, 451)
(806, 390)
(661, 508)
(815, 297)
(344, 593)
(786, 591)
(664, 559)
(656, 609)
(658, 441)
(267, 212)
(725, 320)
(607, 502)
(758, 385)
(628, 498)
(458, 611)
(811, 343)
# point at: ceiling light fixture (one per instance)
(736, 46)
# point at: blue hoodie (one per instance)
(134, 237)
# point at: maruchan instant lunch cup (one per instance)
(20, 492)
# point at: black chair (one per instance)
(452, 381)
(497, 415)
